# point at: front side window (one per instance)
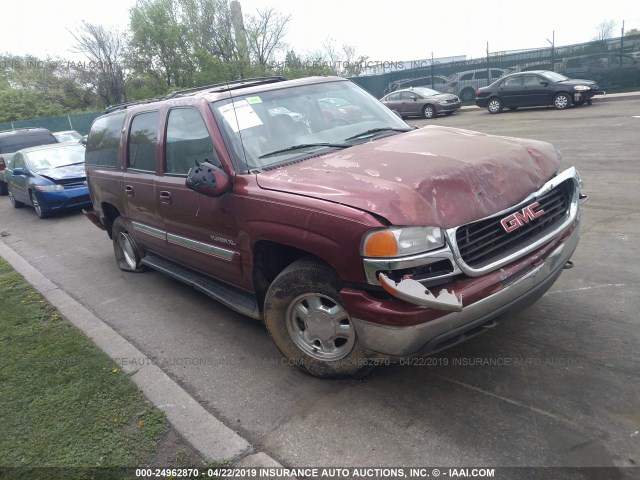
(188, 141)
(466, 76)
(532, 81)
(482, 75)
(142, 142)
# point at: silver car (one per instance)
(465, 84)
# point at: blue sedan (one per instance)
(50, 178)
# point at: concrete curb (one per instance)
(206, 434)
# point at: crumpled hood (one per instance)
(436, 176)
(64, 173)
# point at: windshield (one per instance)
(554, 77)
(262, 129)
(427, 92)
(67, 136)
(55, 157)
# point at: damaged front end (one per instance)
(471, 274)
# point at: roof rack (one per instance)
(218, 87)
(233, 85)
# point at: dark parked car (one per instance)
(49, 178)
(338, 111)
(536, 88)
(13, 140)
(421, 101)
(356, 244)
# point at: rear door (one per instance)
(201, 230)
(510, 91)
(140, 182)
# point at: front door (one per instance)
(536, 90)
(201, 230)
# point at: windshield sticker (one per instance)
(240, 115)
(253, 100)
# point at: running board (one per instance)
(232, 297)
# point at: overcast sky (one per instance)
(385, 31)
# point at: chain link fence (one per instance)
(614, 64)
(77, 121)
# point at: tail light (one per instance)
(477, 92)
(2, 165)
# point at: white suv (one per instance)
(465, 84)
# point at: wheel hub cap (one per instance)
(320, 327)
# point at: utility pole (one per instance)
(488, 76)
(553, 50)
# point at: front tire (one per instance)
(307, 322)
(40, 211)
(494, 105)
(429, 111)
(561, 101)
(128, 254)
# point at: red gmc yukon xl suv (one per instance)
(355, 238)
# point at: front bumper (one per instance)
(516, 291)
(64, 199)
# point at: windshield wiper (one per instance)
(303, 146)
(376, 130)
(69, 164)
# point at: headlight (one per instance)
(581, 88)
(396, 242)
(48, 188)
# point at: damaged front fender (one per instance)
(414, 292)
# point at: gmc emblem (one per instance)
(518, 219)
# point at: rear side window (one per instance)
(483, 75)
(188, 141)
(142, 141)
(17, 141)
(104, 141)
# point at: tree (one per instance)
(105, 51)
(604, 30)
(265, 34)
(160, 42)
(633, 31)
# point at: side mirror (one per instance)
(207, 179)
(19, 171)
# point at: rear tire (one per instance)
(307, 322)
(468, 95)
(127, 252)
(4, 189)
(15, 203)
(494, 105)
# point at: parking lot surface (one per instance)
(557, 385)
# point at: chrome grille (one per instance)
(486, 241)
